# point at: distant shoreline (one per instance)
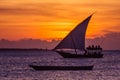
(35, 49)
(23, 49)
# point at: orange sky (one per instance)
(46, 19)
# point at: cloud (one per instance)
(3, 21)
(65, 29)
(110, 41)
(59, 10)
(46, 10)
(28, 43)
(22, 11)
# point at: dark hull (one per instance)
(69, 55)
(62, 67)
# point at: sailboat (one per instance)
(75, 40)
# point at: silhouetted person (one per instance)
(96, 47)
(88, 48)
(92, 46)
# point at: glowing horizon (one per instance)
(55, 19)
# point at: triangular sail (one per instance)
(78, 35)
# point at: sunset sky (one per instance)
(53, 19)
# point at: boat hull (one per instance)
(40, 68)
(69, 55)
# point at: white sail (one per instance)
(77, 35)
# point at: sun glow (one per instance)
(55, 19)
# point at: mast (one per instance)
(74, 44)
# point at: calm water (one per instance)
(14, 65)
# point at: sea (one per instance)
(14, 65)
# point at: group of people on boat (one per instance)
(93, 50)
(94, 47)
